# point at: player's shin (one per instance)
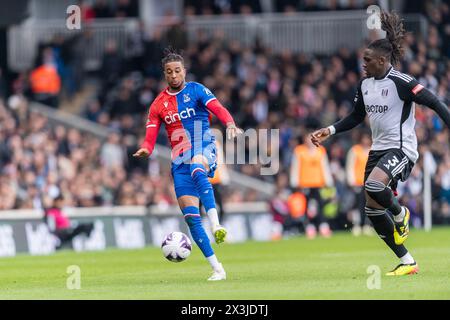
(194, 221)
(384, 226)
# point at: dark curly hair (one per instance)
(392, 45)
(171, 55)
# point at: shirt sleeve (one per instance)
(207, 99)
(220, 112)
(204, 95)
(410, 89)
(356, 116)
(152, 129)
(407, 87)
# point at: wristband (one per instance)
(332, 130)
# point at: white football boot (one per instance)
(218, 274)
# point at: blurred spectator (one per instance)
(61, 226)
(355, 166)
(102, 9)
(176, 36)
(280, 212)
(45, 81)
(126, 8)
(87, 12)
(310, 171)
(112, 154)
(112, 66)
(208, 7)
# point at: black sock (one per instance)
(384, 226)
(395, 208)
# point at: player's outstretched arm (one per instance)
(410, 89)
(225, 117)
(349, 122)
(427, 98)
(151, 133)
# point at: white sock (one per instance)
(213, 217)
(400, 216)
(215, 264)
(407, 259)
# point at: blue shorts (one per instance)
(181, 173)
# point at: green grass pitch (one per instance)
(297, 268)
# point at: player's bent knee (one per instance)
(200, 159)
(378, 192)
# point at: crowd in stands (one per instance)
(263, 89)
(224, 7)
(98, 9)
(39, 159)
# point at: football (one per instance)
(176, 246)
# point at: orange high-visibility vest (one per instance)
(297, 204)
(217, 178)
(356, 163)
(311, 170)
(45, 79)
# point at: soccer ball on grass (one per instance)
(176, 246)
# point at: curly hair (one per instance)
(392, 45)
(171, 55)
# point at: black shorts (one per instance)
(392, 161)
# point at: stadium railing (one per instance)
(23, 40)
(313, 32)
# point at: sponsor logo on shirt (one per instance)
(376, 108)
(174, 117)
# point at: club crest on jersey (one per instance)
(166, 104)
(174, 117)
(186, 98)
(384, 92)
(207, 91)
